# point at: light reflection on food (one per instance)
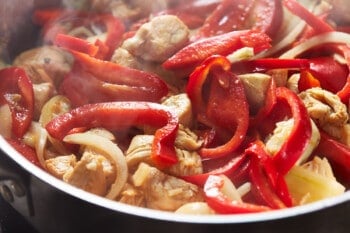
(194, 107)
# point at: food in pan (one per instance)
(193, 107)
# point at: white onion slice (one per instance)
(112, 153)
(6, 121)
(325, 38)
(37, 137)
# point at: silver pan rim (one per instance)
(162, 215)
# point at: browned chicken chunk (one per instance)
(158, 39)
(162, 191)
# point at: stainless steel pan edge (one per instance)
(161, 215)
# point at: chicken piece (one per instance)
(139, 151)
(281, 134)
(158, 39)
(181, 105)
(88, 174)
(255, 86)
(162, 191)
(189, 163)
(293, 83)
(326, 109)
(42, 93)
(122, 57)
(108, 167)
(186, 144)
(187, 140)
(45, 64)
(60, 165)
(132, 196)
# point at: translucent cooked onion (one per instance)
(111, 151)
(6, 121)
(291, 28)
(37, 137)
(325, 38)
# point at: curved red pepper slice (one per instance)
(122, 115)
(120, 83)
(261, 185)
(229, 168)
(192, 55)
(16, 90)
(264, 166)
(226, 107)
(25, 150)
(316, 23)
(265, 64)
(219, 202)
(330, 73)
(233, 15)
(76, 44)
(336, 152)
(300, 134)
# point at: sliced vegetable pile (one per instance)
(196, 107)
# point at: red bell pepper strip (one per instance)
(115, 30)
(261, 186)
(229, 168)
(16, 90)
(307, 81)
(276, 181)
(232, 15)
(76, 44)
(330, 73)
(195, 53)
(122, 115)
(344, 93)
(199, 76)
(220, 203)
(334, 151)
(265, 64)
(137, 84)
(61, 21)
(86, 83)
(316, 23)
(25, 150)
(226, 108)
(300, 134)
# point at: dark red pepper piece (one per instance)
(16, 90)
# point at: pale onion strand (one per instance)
(329, 37)
(40, 135)
(112, 153)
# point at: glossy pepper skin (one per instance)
(58, 22)
(226, 106)
(195, 53)
(109, 82)
(219, 202)
(122, 115)
(233, 15)
(269, 184)
(300, 134)
(25, 150)
(16, 90)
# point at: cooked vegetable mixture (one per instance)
(193, 107)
